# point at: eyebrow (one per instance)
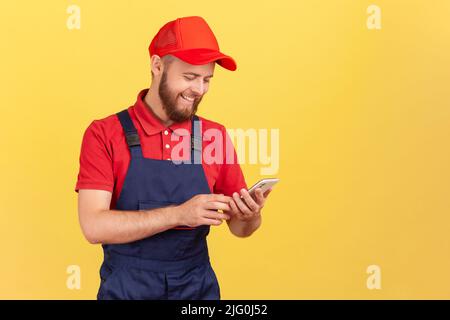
(197, 75)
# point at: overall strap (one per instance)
(134, 143)
(196, 141)
(131, 135)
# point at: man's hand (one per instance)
(202, 210)
(247, 208)
(246, 212)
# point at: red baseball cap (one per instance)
(191, 40)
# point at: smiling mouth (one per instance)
(189, 99)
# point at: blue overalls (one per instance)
(173, 264)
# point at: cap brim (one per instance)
(204, 56)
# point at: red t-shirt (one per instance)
(105, 156)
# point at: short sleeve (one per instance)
(230, 178)
(96, 165)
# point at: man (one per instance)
(152, 214)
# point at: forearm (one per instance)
(244, 228)
(117, 226)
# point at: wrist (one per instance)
(174, 215)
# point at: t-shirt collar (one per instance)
(151, 123)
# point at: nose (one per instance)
(198, 87)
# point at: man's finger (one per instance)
(267, 193)
(219, 198)
(211, 222)
(259, 197)
(215, 205)
(233, 206)
(216, 215)
(254, 207)
(241, 205)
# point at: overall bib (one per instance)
(173, 264)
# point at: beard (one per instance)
(169, 101)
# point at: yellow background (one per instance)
(364, 140)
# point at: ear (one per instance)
(156, 65)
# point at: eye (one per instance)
(206, 81)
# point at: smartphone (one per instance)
(264, 184)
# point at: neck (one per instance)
(155, 105)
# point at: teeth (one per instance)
(187, 98)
